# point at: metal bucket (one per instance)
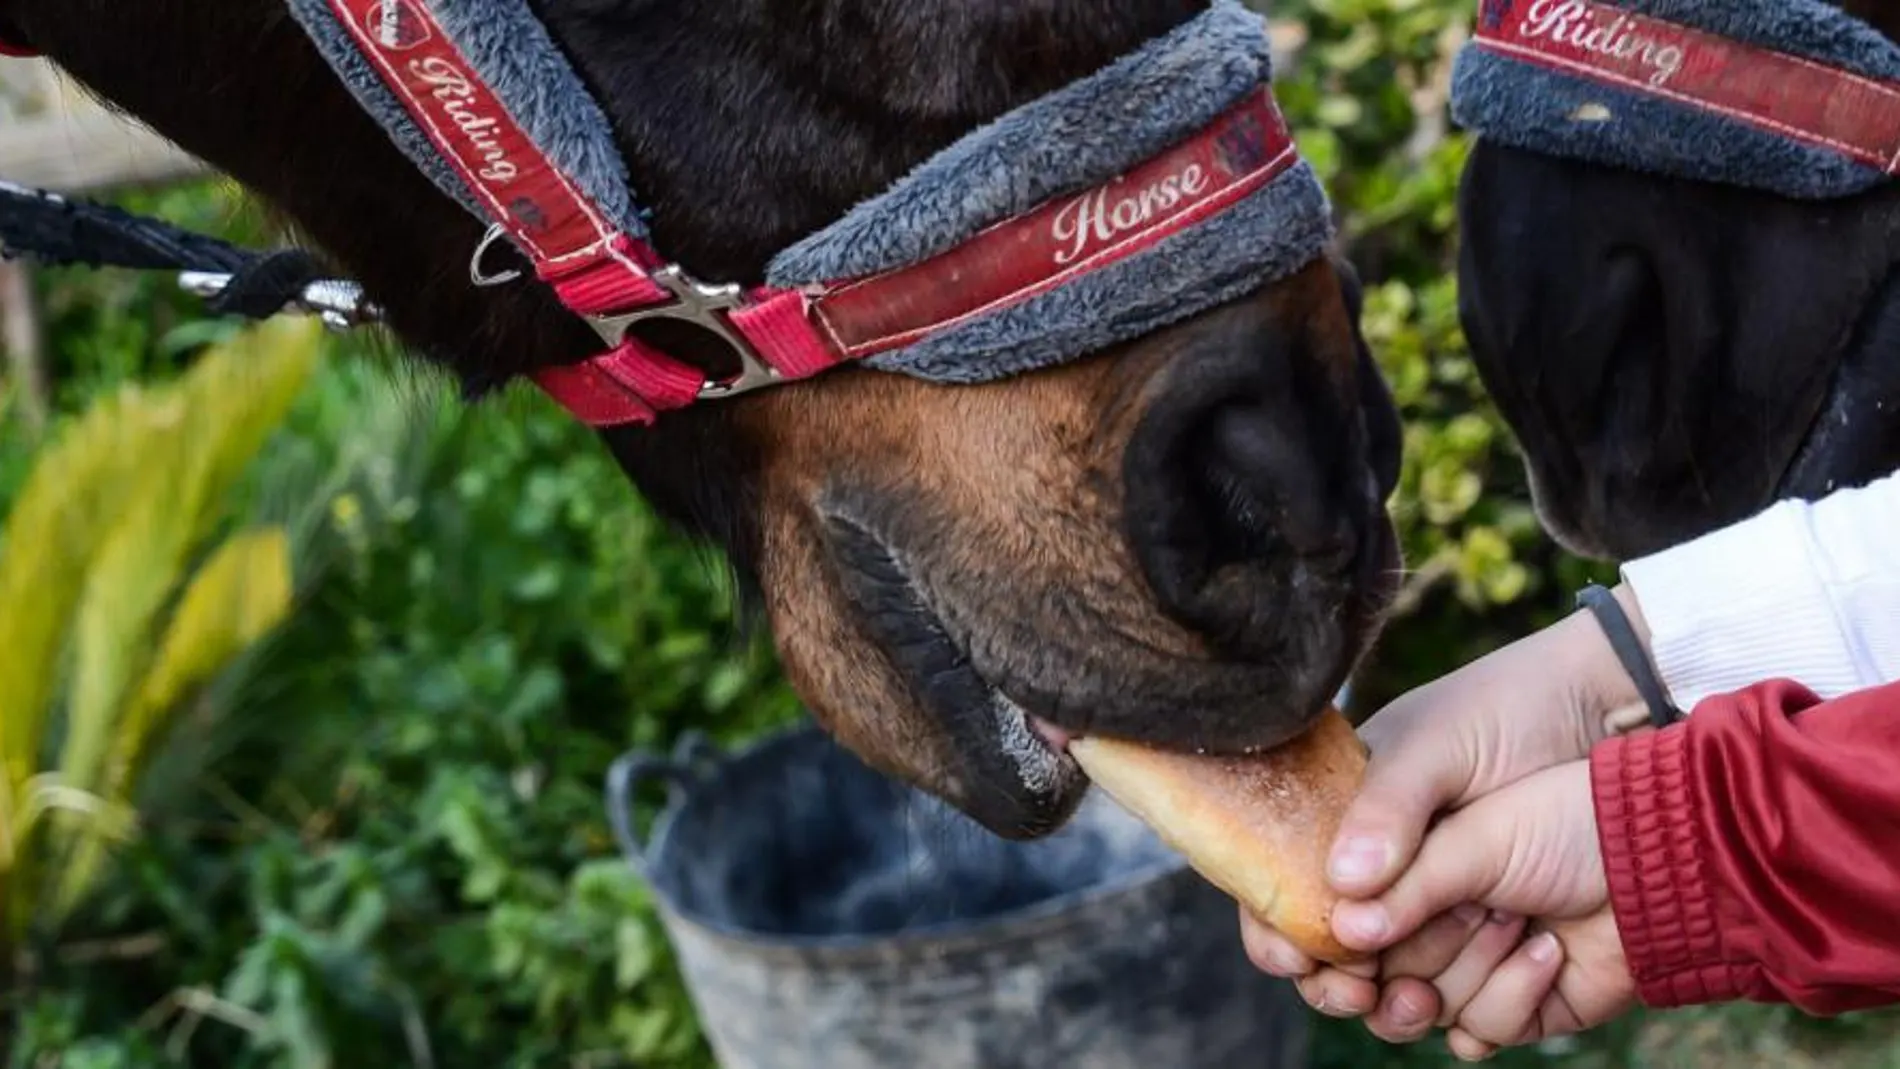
(826, 917)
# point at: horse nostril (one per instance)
(1261, 487)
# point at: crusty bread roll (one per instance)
(1257, 827)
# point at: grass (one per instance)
(1742, 1036)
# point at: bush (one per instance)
(400, 856)
(111, 557)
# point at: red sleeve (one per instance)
(1753, 852)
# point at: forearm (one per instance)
(1802, 591)
(1754, 851)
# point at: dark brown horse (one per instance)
(1182, 540)
(1676, 355)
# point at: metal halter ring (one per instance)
(475, 273)
(705, 307)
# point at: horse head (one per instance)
(1179, 540)
(1677, 283)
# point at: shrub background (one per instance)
(380, 840)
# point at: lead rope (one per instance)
(57, 231)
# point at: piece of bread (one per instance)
(1257, 827)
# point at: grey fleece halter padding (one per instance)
(1534, 108)
(1062, 143)
(511, 50)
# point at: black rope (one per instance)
(59, 232)
(261, 288)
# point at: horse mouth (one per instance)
(996, 705)
(1015, 774)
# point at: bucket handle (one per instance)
(693, 758)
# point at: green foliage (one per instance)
(401, 857)
(430, 873)
(110, 622)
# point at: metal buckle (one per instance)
(339, 304)
(703, 306)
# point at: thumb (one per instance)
(1528, 849)
(1411, 776)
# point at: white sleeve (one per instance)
(1802, 591)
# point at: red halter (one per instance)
(614, 281)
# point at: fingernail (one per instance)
(1363, 923)
(1283, 961)
(1543, 949)
(1468, 914)
(1357, 859)
(1407, 1010)
(1501, 918)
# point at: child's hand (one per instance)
(1538, 703)
(1529, 850)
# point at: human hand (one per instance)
(1535, 704)
(1529, 850)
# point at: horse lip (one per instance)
(1054, 737)
(1038, 749)
(1031, 782)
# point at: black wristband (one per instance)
(1629, 650)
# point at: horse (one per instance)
(1674, 350)
(1181, 540)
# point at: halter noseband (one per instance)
(1794, 97)
(1158, 187)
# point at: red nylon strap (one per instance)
(617, 282)
(1243, 150)
(632, 384)
(1798, 98)
(593, 396)
(517, 185)
(594, 268)
(8, 48)
(779, 323)
(664, 383)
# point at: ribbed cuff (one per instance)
(1665, 909)
(1741, 605)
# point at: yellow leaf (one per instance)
(49, 541)
(91, 557)
(201, 438)
(238, 597)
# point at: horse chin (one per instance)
(1854, 439)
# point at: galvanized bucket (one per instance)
(826, 917)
